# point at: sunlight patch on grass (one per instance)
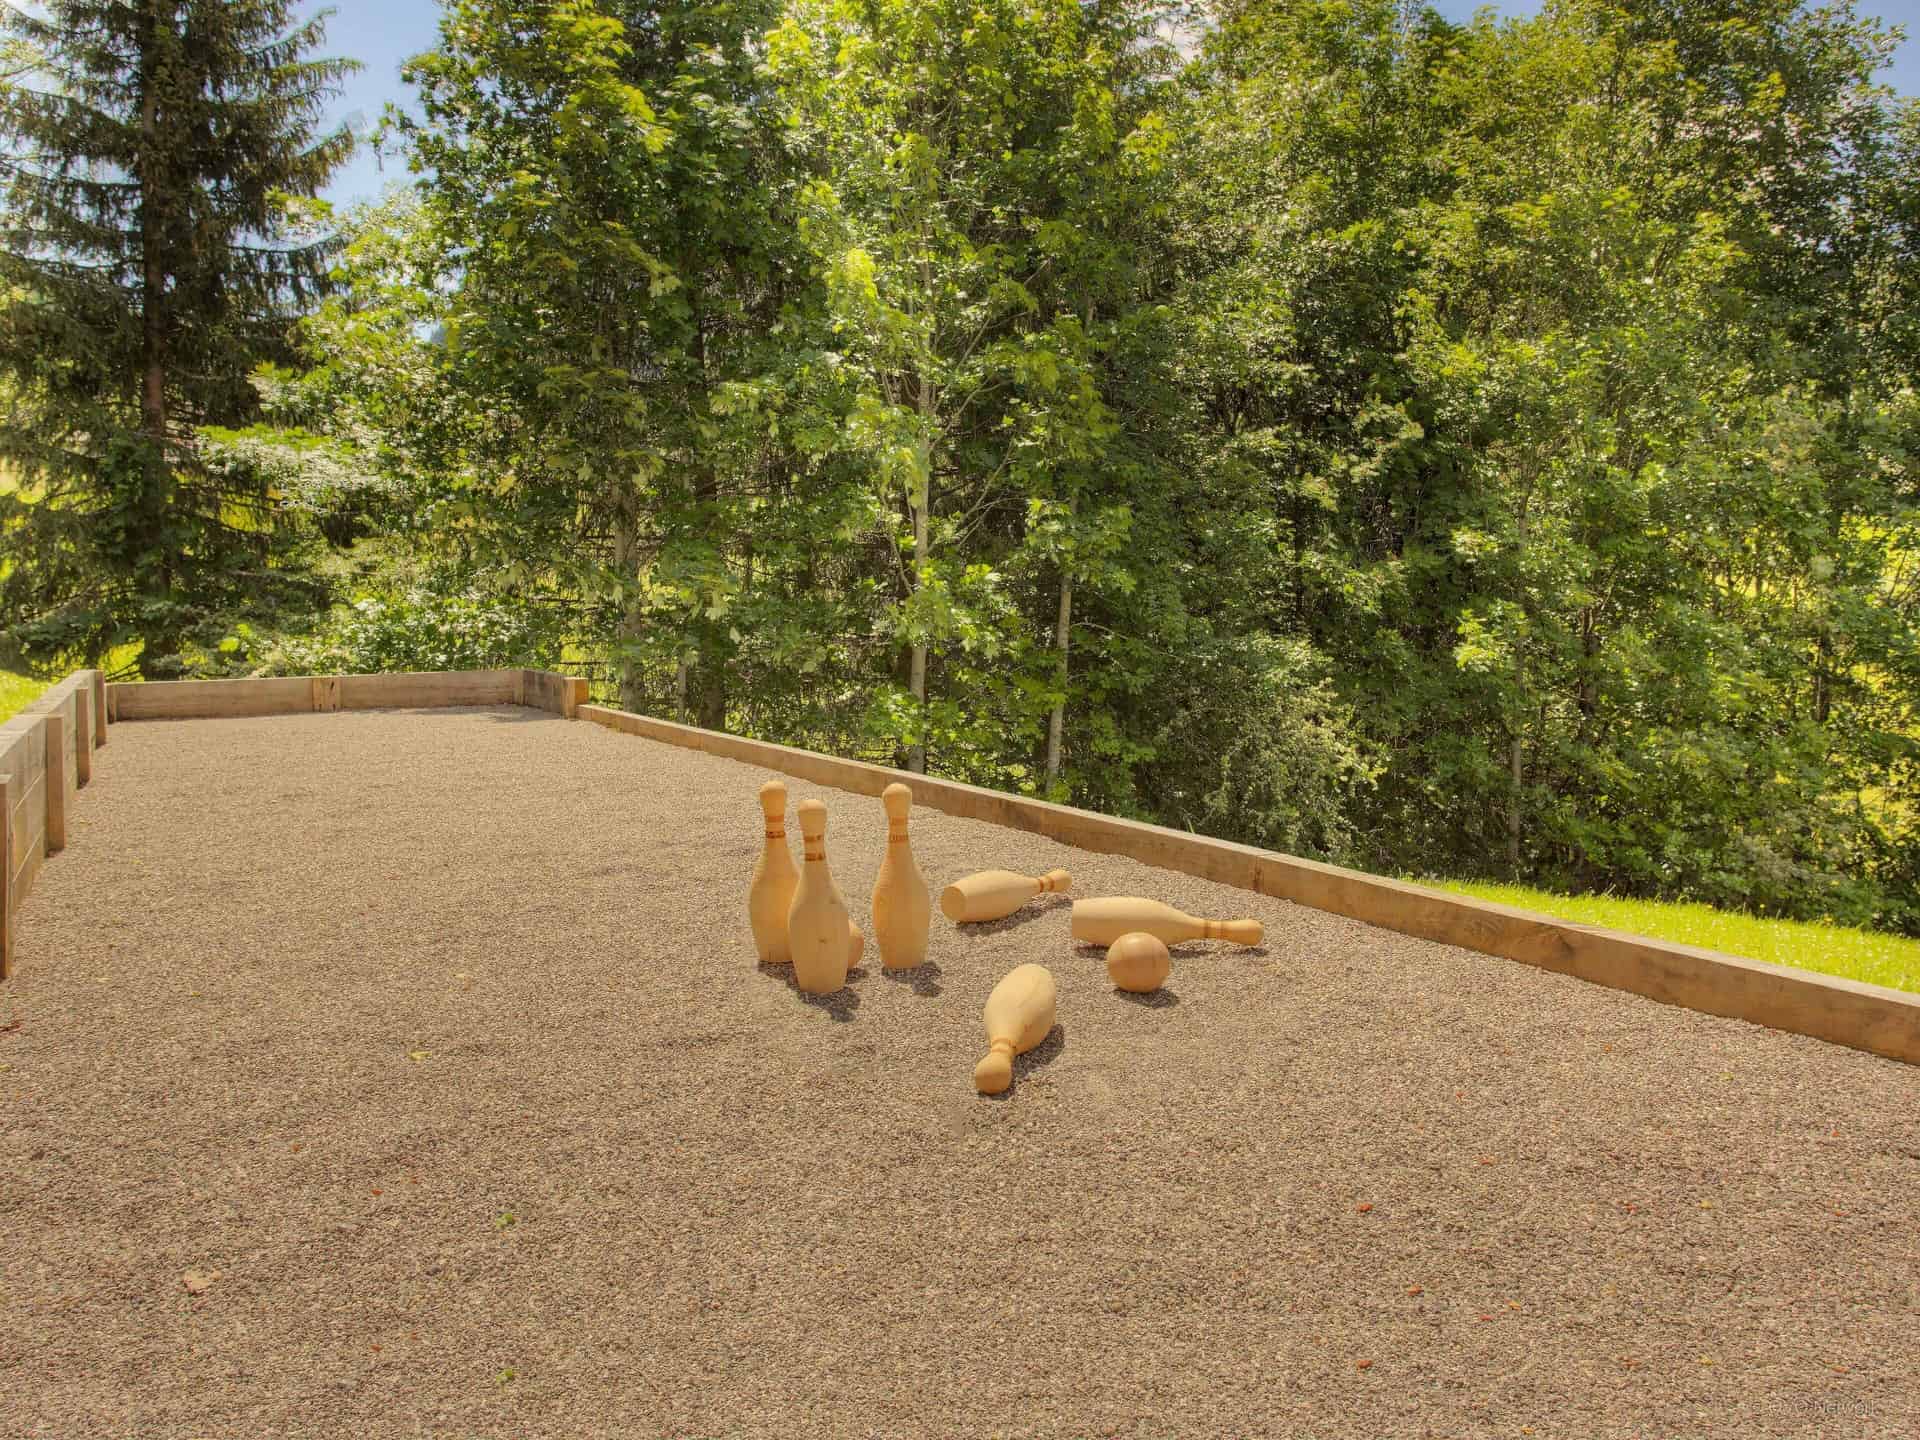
(1865, 955)
(15, 691)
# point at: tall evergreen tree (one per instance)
(151, 256)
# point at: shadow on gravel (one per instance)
(1041, 1054)
(924, 977)
(1035, 908)
(1189, 949)
(1161, 999)
(840, 1005)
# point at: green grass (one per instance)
(1831, 949)
(15, 691)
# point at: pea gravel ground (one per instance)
(436, 1041)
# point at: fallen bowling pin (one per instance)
(902, 908)
(1018, 1015)
(1104, 920)
(995, 894)
(770, 895)
(1138, 962)
(818, 928)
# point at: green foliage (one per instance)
(1484, 447)
(414, 629)
(153, 250)
(1580, 391)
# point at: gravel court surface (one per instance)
(439, 1036)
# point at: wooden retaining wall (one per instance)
(46, 757)
(302, 694)
(1865, 1017)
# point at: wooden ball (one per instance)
(1138, 962)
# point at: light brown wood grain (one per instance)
(29, 830)
(300, 694)
(22, 751)
(99, 707)
(83, 732)
(57, 729)
(46, 755)
(426, 689)
(210, 699)
(1864, 1017)
(548, 690)
(6, 878)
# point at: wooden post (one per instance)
(100, 707)
(6, 876)
(573, 694)
(83, 736)
(326, 692)
(54, 727)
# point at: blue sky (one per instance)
(382, 33)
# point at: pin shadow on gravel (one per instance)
(1034, 909)
(840, 1005)
(1041, 1055)
(924, 978)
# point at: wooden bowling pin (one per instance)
(774, 880)
(1138, 962)
(902, 907)
(993, 894)
(1018, 1015)
(818, 930)
(1104, 920)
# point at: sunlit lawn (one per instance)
(1856, 954)
(15, 691)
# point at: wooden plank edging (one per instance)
(46, 752)
(1872, 1018)
(6, 876)
(304, 694)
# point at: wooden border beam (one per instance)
(6, 876)
(56, 732)
(305, 694)
(83, 701)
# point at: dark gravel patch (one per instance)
(1350, 1184)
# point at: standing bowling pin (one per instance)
(994, 894)
(1106, 919)
(1018, 1015)
(774, 879)
(818, 929)
(902, 908)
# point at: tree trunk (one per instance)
(710, 694)
(1822, 675)
(1517, 756)
(708, 676)
(917, 663)
(1518, 760)
(161, 642)
(626, 560)
(1062, 632)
